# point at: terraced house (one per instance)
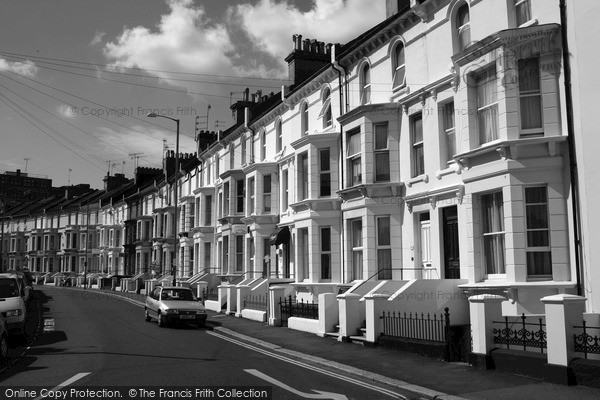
(418, 175)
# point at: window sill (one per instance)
(531, 22)
(420, 178)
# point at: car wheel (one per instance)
(160, 320)
(147, 315)
(3, 347)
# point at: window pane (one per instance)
(355, 168)
(324, 159)
(531, 112)
(536, 195)
(419, 160)
(325, 266)
(325, 185)
(384, 264)
(539, 263)
(529, 75)
(537, 216)
(494, 254)
(353, 143)
(357, 233)
(382, 167)
(417, 129)
(325, 239)
(383, 231)
(381, 136)
(493, 212)
(538, 239)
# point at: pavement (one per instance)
(424, 377)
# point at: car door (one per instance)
(152, 302)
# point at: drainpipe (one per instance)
(571, 144)
(341, 72)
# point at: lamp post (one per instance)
(173, 267)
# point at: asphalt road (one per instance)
(85, 338)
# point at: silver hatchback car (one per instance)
(174, 304)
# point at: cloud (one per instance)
(97, 38)
(250, 39)
(184, 40)
(66, 111)
(26, 68)
(271, 24)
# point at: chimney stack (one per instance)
(307, 57)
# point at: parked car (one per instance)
(12, 303)
(174, 304)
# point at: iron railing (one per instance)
(211, 294)
(431, 326)
(258, 303)
(586, 343)
(290, 307)
(520, 335)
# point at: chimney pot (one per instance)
(306, 44)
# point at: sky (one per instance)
(78, 77)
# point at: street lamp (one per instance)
(173, 267)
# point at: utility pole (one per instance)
(87, 244)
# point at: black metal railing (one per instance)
(431, 326)
(586, 343)
(258, 303)
(290, 307)
(516, 333)
(211, 294)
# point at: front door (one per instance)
(451, 254)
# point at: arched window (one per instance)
(365, 84)
(279, 135)
(263, 145)
(304, 118)
(463, 27)
(326, 109)
(399, 77)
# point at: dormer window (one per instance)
(463, 27)
(365, 84)
(399, 72)
(326, 109)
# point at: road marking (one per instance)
(65, 383)
(320, 394)
(311, 367)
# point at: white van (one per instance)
(12, 303)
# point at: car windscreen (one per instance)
(177, 294)
(8, 288)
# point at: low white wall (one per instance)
(213, 305)
(255, 315)
(432, 296)
(304, 324)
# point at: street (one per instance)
(85, 339)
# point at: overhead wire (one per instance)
(28, 117)
(84, 99)
(67, 122)
(139, 69)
